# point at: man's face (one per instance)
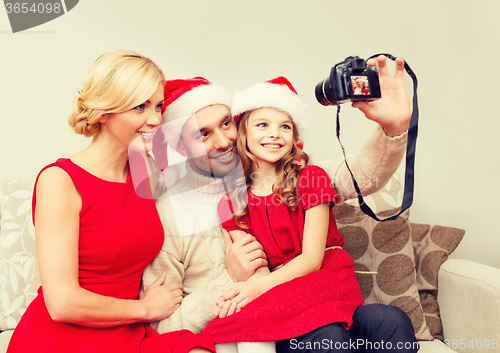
(208, 139)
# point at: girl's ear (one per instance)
(103, 119)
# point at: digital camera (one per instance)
(350, 81)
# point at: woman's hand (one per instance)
(392, 111)
(160, 301)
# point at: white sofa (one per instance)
(468, 296)
(469, 302)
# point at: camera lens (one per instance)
(320, 94)
(325, 93)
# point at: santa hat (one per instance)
(183, 98)
(277, 93)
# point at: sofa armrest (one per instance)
(5, 339)
(469, 303)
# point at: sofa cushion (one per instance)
(19, 278)
(384, 260)
(433, 245)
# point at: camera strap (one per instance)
(410, 152)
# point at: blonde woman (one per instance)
(94, 234)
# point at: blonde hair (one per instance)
(118, 81)
(288, 169)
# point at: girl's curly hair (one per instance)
(288, 169)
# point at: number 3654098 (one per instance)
(34, 8)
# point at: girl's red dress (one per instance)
(303, 304)
(120, 233)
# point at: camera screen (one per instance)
(360, 85)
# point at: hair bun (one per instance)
(79, 118)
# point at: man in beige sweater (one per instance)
(200, 127)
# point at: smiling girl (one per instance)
(312, 281)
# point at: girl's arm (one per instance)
(58, 205)
(313, 250)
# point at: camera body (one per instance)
(349, 81)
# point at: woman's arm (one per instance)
(57, 235)
(313, 250)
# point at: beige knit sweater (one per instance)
(194, 252)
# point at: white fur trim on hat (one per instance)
(270, 95)
(196, 99)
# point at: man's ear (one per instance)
(180, 149)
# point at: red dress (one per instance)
(303, 304)
(120, 233)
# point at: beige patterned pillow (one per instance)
(19, 278)
(384, 260)
(433, 245)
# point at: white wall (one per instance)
(453, 46)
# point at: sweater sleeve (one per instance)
(373, 166)
(168, 261)
(200, 294)
(196, 261)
